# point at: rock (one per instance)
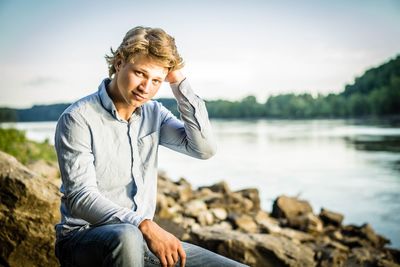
(244, 223)
(223, 226)
(186, 223)
(233, 202)
(180, 191)
(270, 225)
(387, 263)
(221, 187)
(253, 195)
(205, 217)
(219, 213)
(185, 192)
(169, 212)
(254, 249)
(166, 187)
(297, 214)
(331, 218)
(167, 208)
(360, 257)
(297, 236)
(267, 224)
(291, 209)
(46, 169)
(311, 223)
(394, 254)
(333, 232)
(332, 258)
(360, 235)
(194, 207)
(29, 208)
(208, 196)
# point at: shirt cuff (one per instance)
(130, 217)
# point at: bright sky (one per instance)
(53, 51)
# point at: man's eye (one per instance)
(138, 73)
(156, 82)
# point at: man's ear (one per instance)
(118, 64)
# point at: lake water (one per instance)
(352, 167)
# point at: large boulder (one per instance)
(29, 208)
(296, 213)
(263, 250)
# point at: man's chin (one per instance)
(138, 104)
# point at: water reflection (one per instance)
(375, 143)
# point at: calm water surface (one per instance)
(352, 167)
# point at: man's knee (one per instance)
(128, 236)
(126, 248)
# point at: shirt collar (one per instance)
(108, 104)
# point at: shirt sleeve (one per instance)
(192, 135)
(79, 184)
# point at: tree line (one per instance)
(375, 93)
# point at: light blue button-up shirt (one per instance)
(109, 165)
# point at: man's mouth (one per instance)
(138, 96)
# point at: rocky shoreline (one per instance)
(234, 225)
(229, 223)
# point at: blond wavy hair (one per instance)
(154, 43)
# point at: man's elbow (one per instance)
(208, 152)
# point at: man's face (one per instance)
(138, 81)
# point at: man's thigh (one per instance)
(105, 245)
(195, 257)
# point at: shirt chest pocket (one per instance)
(148, 147)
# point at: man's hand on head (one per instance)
(175, 76)
(164, 245)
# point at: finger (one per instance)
(163, 261)
(182, 256)
(175, 256)
(170, 260)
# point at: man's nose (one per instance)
(145, 85)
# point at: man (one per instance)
(107, 148)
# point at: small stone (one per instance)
(337, 235)
(205, 217)
(306, 222)
(164, 213)
(253, 195)
(360, 257)
(295, 235)
(314, 224)
(285, 207)
(169, 212)
(208, 196)
(266, 223)
(221, 187)
(219, 213)
(223, 226)
(187, 222)
(330, 217)
(244, 223)
(184, 190)
(194, 207)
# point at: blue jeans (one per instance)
(123, 245)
